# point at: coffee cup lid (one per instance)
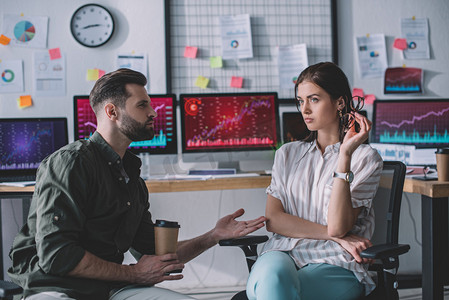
(442, 151)
(165, 223)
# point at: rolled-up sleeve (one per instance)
(60, 193)
(276, 187)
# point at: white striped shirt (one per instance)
(302, 181)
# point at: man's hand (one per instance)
(228, 227)
(152, 269)
(355, 244)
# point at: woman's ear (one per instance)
(341, 103)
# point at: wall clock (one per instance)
(92, 25)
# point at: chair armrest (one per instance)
(385, 251)
(244, 240)
(8, 289)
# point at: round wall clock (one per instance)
(92, 25)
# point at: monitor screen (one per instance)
(423, 122)
(25, 142)
(293, 127)
(165, 137)
(229, 122)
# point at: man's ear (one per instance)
(111, 111)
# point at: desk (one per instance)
(434, 203)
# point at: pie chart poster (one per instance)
(26, 31)
(11, 80)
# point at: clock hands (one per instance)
(92, 25)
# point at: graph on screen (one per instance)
(164, 140)
(228, 122)
(423, 123)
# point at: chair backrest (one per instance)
(387, 203)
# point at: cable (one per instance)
(412, 218)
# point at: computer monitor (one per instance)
(240, 126)
(293, 127)
(25, 142)
(423, 123)
(165, 138)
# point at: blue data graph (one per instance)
(422, 123)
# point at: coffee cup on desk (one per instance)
(166, 236)
(442, 156)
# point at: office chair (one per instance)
(385, 249)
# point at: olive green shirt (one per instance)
(83, 201)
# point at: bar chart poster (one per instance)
(419, 123)
(164, 125)
(229, 122)
(403, 81)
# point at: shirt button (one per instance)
(120, 178)
(128, 203)
(118, 161)
(109, 163)
(56, 218)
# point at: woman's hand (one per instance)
(354, 139)
(355, 244)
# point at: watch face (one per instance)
(92, 25)
(349, 177)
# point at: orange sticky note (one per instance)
(400, 44)
(236, 82)
(190, 52)
(55, 53)
(101, 73)
(92, 74)
(4, 40)
(369, 99)
(25, 101)
(201, 82)
(357, 92)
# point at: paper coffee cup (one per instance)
(166, 236)
(442, 156)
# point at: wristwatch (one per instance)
(348, 176)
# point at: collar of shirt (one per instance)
(335, 148)
(130, 163)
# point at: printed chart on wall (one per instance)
(206, 26)
(12, 76)
(26, 31)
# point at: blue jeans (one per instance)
(274, 276)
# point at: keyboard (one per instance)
(17, 178)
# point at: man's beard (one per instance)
(134, 130)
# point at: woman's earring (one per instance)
(340, 114)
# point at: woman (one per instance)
(319, 199)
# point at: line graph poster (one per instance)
(423, 123)
(26, 31)
(12, 76)
(403, 81)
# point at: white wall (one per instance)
(139, 28)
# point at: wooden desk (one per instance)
(434, 204)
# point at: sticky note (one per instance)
(190, 52)
(369, 99)
(216, 62)
(92, 74)
(400, 44)
(4, 40)
(55, 53)
(101, 73)
(25, 101)
(201, 82)
(357, 92)
(236, 82)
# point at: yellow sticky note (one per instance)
(201, 82)
(92, 74)
(25, 101)
(4, 40)
(216, 62)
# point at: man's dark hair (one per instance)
(112, 87)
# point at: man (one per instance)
(90, 206)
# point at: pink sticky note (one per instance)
(236, 82)
(100, 73)
(357, 92)
(190, 52)
(400, 44)
(55, 53)
(369, 99)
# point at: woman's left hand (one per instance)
(354, 139)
